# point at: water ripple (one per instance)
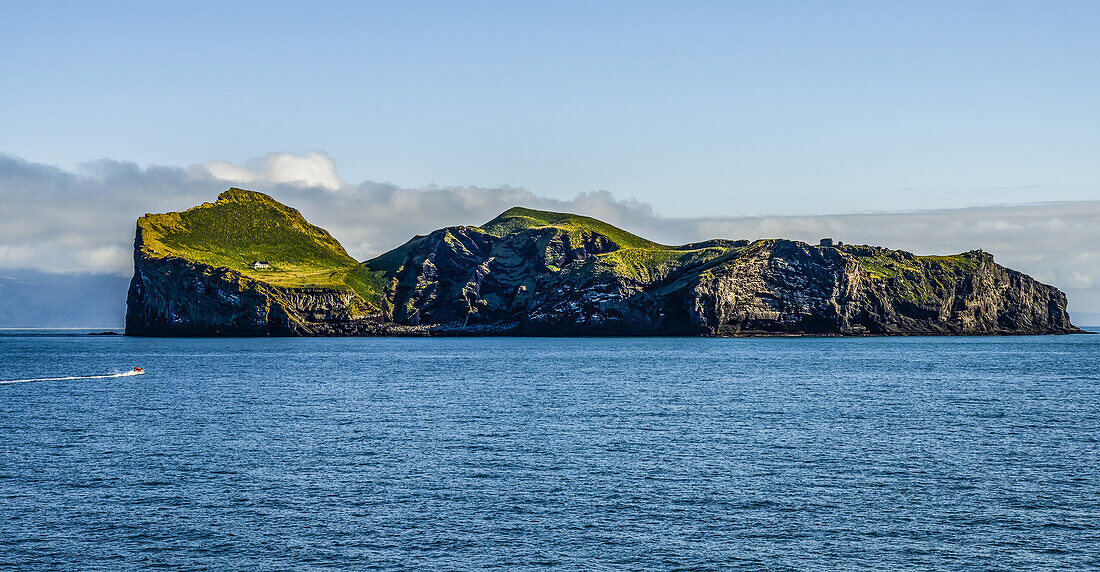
(598, 454)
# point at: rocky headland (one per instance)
(248, 265)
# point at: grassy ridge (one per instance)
(246, 226)
(889, 264)
(917, 278)
(517, 219)
(651, 264)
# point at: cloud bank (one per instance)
(82, 221)
(313, 170)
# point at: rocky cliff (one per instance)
(532, 272)
(171, 296)
(194, 275)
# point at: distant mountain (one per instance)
(248, 265)
(30, 298)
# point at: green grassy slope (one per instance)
(888, 264)
(652, 264)
(916, 278)
(518, 219)
(246, 226)
(636, 258)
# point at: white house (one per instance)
(260, 265)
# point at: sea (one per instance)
(927, 453)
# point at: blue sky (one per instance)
(725, 108)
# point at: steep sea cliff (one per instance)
(247, 265)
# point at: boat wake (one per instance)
(123, 374)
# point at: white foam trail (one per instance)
(123, 374)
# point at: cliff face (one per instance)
(194, 274)
(766, 287)
(790, 287)
(538, 273)
(171, 296)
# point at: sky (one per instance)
(730, 108)
(935, 127)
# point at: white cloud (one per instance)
(60, 221)
(227, 171)
(313, 170)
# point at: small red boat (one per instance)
(139, 369)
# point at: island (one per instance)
(247, 265)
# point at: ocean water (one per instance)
(927, 453)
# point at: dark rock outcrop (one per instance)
(522, 275)
(767, 287)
